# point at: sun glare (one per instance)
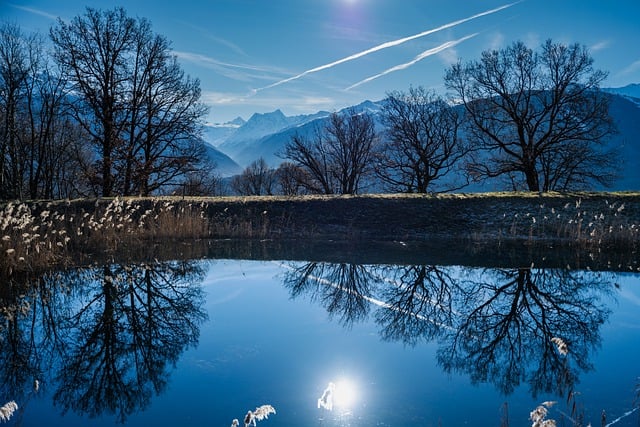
(342, 394)
(345, 394)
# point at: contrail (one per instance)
(423, 55)
(387, 45)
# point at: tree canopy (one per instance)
(539, 116)
(141, 112)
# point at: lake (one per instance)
(325, 343)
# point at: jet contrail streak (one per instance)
(387, 45)
(423, 55)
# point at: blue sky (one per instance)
(302, 56)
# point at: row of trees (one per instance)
(536, 119)
(107, 111)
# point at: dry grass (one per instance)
(597, 224)
(38, 235)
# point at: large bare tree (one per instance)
(163, 125)
(339, 156)
(94, 48)
(539, 116)
(422, 144)
(141, 112)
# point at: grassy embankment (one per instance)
(37, 235)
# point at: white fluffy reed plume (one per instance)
(538, 416)
(262, 412)
(259, 414)
(6, 411)
(563, 349)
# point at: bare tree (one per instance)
(94, 48)
(163, 126)
(14, 70)
(37, 139)
(51, 137)
(141, 112)
(256, 180)
(202, 181)
(540, 116)
(422, 144)
(339, 156)
(289, 178)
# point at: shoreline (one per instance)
(85, 229)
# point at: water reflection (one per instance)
(342, 289)
(103, 340)
(506, 322)
(418, 303)
(494, 325)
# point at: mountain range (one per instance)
(235, 144)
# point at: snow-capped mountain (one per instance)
(238, 145)
(265, 135)
(216, 133)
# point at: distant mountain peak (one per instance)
(238, 121)
(274, 116)
(632, 90)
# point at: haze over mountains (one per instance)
(234, 145)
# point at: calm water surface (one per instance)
(200, 343)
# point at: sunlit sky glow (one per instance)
(302, 56)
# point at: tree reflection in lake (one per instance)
(342, 289)
(419, 303)
(25, 306)
(114, 330)
(506, 322)
(494, 325)
(103, 341)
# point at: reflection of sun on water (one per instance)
(345, 394)
(342, 394)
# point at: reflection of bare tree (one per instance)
(419, 303)
(19, 364)
(508, 318)
(496, 328)
(133, 322)
(109, 334)
(342, 289)
(28, 334)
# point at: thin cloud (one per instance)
(388, 45)
(423, 55)
(228, 69)
(497, 41)
(297, 102)
(222, 98)
(35, 11)
(631, 68)
(206, 60)
(600, 46)
(205, 33)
